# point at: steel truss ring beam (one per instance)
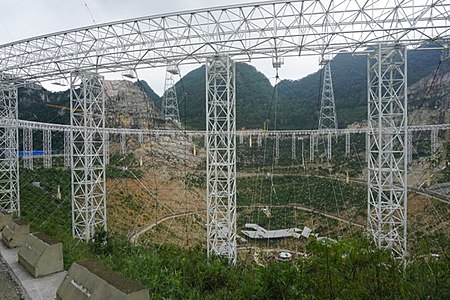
(244, 32)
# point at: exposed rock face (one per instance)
(433, 85)
(431, 95)
(127, 106)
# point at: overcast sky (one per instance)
(22, 19)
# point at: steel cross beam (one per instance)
(9, 157)
(87, 116)
(245, 32)
(40, 126)
(387, 149)
(221, 157)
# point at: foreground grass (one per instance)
(348, 269)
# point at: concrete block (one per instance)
(4, 219)
(87, 279)
(41, 255)
(14, 234)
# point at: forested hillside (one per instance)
(294, 104)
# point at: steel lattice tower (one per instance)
(327, 118)
(28, 148)
(67, 148)
(87, 115)
(9, 158)
(47, 143)
(221, 157)
(170, 99)
(387, 148)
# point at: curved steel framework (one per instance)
(248, 31)
(272, 29)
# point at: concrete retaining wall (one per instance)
(87, 279)
(41, 255)
(4, 219)
(14, 234)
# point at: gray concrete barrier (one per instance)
(87, 279)
(41, 255)
(4, 219)
(14, 233)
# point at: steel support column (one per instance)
(409, 147)
(387, 141)
(87, 115)
(28, 148)
(170, 99)
(221, 157)
(67, 148)
(9, 156)
(329, 146)
(327, 116)
(47, 145)
(347, 144)
(123, 144)
(107, 149)
(277, 147)
(293, 147)
(312, 147)
(434, 143)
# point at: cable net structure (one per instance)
(266, 30)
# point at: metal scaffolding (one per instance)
(28, 148)
(277, 147)
(259, 140)
(221, 157)
(67, 148)
(409, 147)
(293, 147)
(47, 145)
(434, 144)
(387, 161)
(312, 146)
(327, 115)
(123, 144)
(329, 146)
(9, 157)
(170, 100)
(87, 116)
(347, 144)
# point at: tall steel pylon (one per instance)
(387, 148)
(327, 117)
(47, 145)
(9, 156)
(67, 148)
(170, 99)
(28, 148)
(221, 157)
(87, 115)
